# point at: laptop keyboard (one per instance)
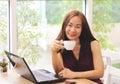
(42, 75)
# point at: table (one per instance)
(11, 77)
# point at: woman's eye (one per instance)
(78, 27)
(69, 25)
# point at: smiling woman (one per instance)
(85, 58)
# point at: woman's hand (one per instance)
(57, 45)
(66, 73)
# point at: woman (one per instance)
(85, 60)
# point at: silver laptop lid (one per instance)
(21, 66)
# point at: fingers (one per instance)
(59, 42)
(61, 73)
(65, 73)
(57, 45)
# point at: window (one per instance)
(3, 26)
(39, 23)
(106, 22)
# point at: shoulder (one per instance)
(95, 44)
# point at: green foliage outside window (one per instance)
(3, 27)
(56, 10)
(29, 24)
(28, 31)
(103, 22)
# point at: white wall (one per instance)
(114, 35)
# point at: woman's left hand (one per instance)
(66, 73)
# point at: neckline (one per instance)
(78, 56)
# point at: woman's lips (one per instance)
(72, 35)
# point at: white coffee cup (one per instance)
(69, 45)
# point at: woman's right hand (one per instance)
(57, 46)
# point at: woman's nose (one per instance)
(73, 29)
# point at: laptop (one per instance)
(40, 76)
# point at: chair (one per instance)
(112, 74)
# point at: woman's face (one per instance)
(74, 28)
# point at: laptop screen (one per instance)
(20, 66)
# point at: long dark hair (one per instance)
(86, 35)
